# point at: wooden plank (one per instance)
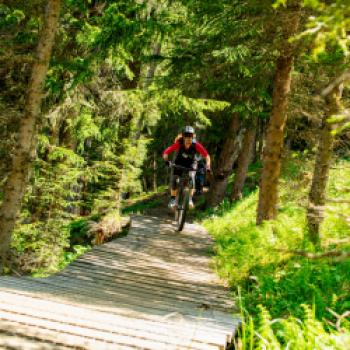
(138, 303)
(146, 301)
(97, 335)
(156, 264)
(169, 254)
(168, 233)
(102, 321)
(59, 338)
(120, 291)
(169, 319)
(13, 341)
(136, 238)
(203, 288)
(118, 282)
(154, 286)
(115, 333)
(139, 222)
(129, 309)
(173, 271)
(142, 242)
(163, 275)
(200, 263)
(110, 280)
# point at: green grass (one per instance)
(142, 202)
(254, 259)
(305, 333)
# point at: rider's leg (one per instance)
(173, 191)
(192, 190)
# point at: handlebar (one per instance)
(173, 165)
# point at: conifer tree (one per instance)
(268, 194)
(18, 178)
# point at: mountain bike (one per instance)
(185, 185)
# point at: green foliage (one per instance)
(84, 127)
(305, 333)
(329, 25)
(78, 233)
(336, 223)
(141, 206)
(10, 18)
(235, 233)
(257, 260)
(283, 288)
(70, 256)
(40, 246)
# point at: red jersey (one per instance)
(177, 146)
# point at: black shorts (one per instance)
(176, 173)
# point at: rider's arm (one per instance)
(172, 148)
(200, 149)
(207, 162)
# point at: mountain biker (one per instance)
(187, 147)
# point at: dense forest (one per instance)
(93, 91)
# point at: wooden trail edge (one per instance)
(152, 289)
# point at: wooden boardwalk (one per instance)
(152, 289)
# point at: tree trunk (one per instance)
(17, 180)
(243, 161)
(260, 137)
(268, 194)
(317, 195)
(155, 171)
(227, 157)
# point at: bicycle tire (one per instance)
(183, 210)
(179, 203)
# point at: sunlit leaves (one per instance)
(330, 24)
(88, 35)
(10, 18)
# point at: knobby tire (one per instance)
(182, 209)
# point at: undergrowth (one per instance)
(140, 203)
(274, 282)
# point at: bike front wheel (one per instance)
(180, 215)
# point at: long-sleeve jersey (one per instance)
(178, 145)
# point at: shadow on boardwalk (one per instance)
(150, 289)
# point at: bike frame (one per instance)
(183, 195)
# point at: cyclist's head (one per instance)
(188, 131)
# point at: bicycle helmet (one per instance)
(188, 130)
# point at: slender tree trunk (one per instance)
(317, 195)
(268, 195)
(260, 137)
(227, 157)
(22, 159)
(243, 161)
(155, 171)
(145, 186)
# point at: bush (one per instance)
(39, 246)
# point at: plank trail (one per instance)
(152, 289)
